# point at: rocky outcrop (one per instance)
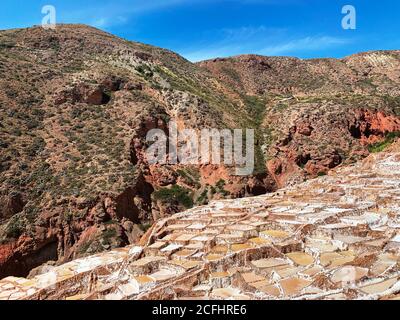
(300, 154)
(89, 94)
(203, 181)
(372, 126)
(108, 222)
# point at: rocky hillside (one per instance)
(76, 104)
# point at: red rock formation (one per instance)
(297, 160)
(371, 126)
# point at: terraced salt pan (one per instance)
(368, 218)
(396, 238)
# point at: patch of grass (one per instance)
(203, 198)
(108, 235)
(381, 146)
(220, 188)
(232, 73)
(367, 83)
(8, 44)
(145, 71)
(393, 103)
(145, 226)
(256, 108)
(36, 147)
(85, 247)
(15, 227)
(213, 190)
(190, 177)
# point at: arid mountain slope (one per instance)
(76, 104)
(319, 113)
(365, 73)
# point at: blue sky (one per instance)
(203, 29)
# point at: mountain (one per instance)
(320, 113)
(76, 104)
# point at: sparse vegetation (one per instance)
(381, 146)
(203, 198)
(145, 226)
(220, 188)
(190, 176)
(15, 227)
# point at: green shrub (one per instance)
(145, 71)
(108, 235)
(221, 184)
(16, 132)
(380, 146)
(190, 178)
(84, 247)
(36, 147)
(174, 194)
(220, 187)
(145, 226)
(203, 198)
(213, 190)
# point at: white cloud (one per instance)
(261, 40)
(109, 22)
(232, 42)
(100, 23)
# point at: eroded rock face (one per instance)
(370, 126)
(211, 181)
(320, 113)
(84, 93)
(108, 222)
